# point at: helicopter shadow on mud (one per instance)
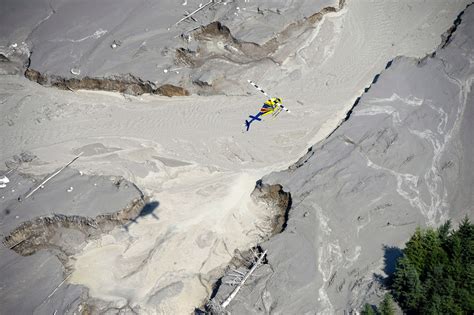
(147, 210)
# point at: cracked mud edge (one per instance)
(45, 232)
(446, 39)
(235, 51)
(39, 233)
(301, 161)
(16, 60)
(127, 84)
(215, 41)
(279, 203)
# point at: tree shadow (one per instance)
(148, 209)
(390, 257)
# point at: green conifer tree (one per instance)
(387, 307)
(407, 287)
(368, 310)
(435, 274)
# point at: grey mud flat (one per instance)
(40, 233)
(74, 39)
(402, 159)
(142, 38)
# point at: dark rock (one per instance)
(171, 90)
